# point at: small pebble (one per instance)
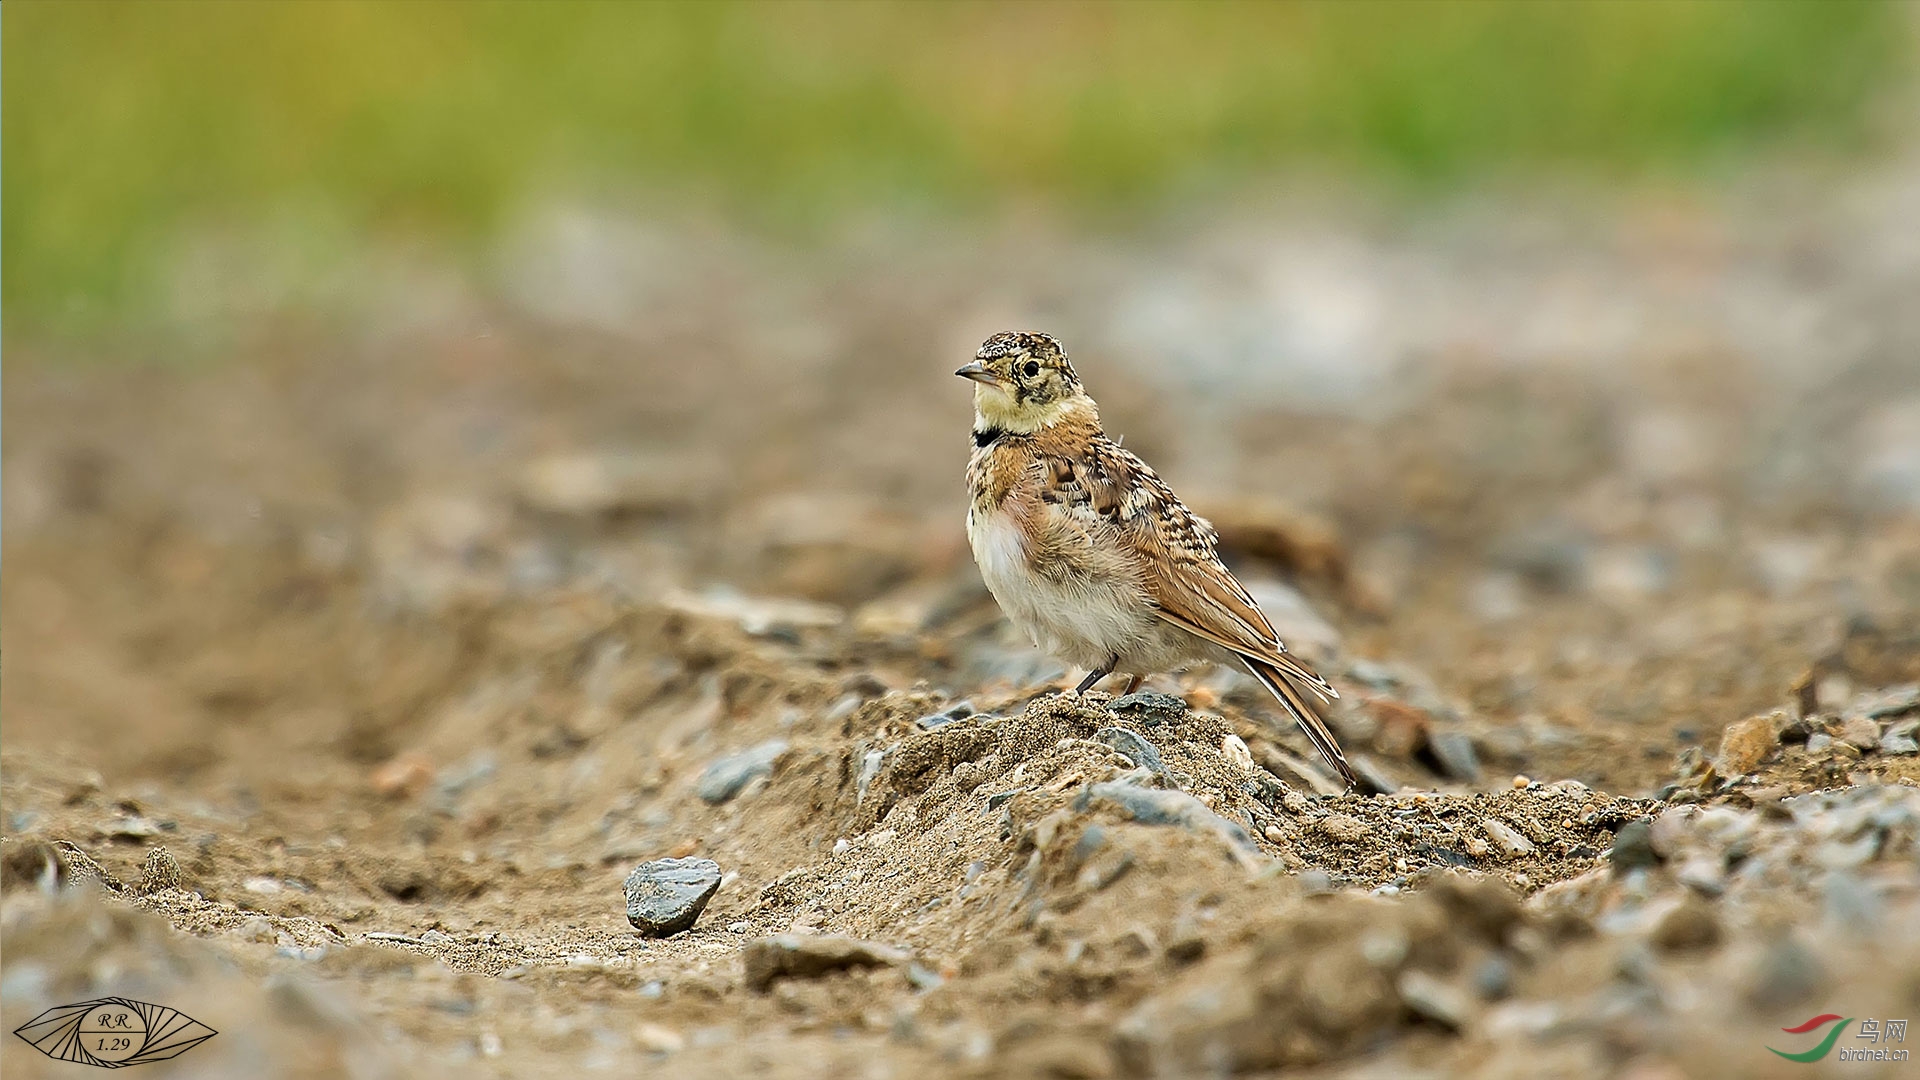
(1507, 838)
(1235, 750)
(666, 896)
(1633, 847)
(1154, 807)
(403, 777)
(728, 776)
(1454, 750)
(1746, 743)
(1134, 747)
(1152, 708)
(957, 711)
(1860, 733)
(1342, 829)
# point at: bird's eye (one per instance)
(1032, 368)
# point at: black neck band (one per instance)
(986, 436)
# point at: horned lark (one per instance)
(1091, 554)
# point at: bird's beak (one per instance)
(978, 373)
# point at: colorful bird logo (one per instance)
(1826, 1044)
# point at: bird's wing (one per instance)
(1114, 494)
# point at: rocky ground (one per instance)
(354, 692)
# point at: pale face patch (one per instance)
(995, 408)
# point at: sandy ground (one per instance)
(403, 641)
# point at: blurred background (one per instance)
(1564, 355)
(1532, 304)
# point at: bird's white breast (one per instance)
(1083, 618)
(999, 549)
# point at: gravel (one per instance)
(725, 778)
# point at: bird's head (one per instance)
(1023, 382)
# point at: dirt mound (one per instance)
(346, 687)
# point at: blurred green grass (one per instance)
(129, 126)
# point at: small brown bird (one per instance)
(1090, 553)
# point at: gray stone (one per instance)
(957, 711)
(1633, 847)
(1150, 806)
(1134, 747)
(1898, 745)
(665, 896)
(723, 779)
(1454, 751)
(1881, 704)
(1151, 708)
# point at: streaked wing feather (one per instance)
(1317, 731)
(1112, 490)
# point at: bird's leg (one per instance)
(1133, 683)
(1096, 675)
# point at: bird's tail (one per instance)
(1276, 683)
